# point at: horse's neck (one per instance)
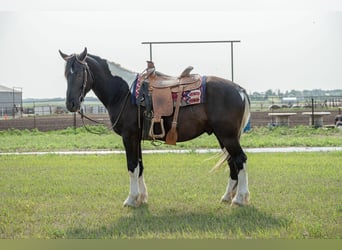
(108, 88)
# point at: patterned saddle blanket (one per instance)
(189, 97)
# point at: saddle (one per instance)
(161, 87)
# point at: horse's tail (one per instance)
(247, 112)
(224, 155)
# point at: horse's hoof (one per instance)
(227, 198)
(142, 199)
(240, 199)
(131, 202)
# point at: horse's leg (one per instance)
(138, 190)
(143, 196)
(237, 189)
(239, 162)
(232, 183)
(232, 180)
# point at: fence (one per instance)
(53, 116)
(264, 103)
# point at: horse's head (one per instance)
(77, 74)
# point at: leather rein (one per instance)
(87, 71)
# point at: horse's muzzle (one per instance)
(72, 105)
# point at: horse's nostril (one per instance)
(71, 105)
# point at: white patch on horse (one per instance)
(143, 190)
(132, 199)
(127, 75)
(243, 95)
(242, 194)
(230, 191)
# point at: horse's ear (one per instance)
(82, 57)
(64, 56)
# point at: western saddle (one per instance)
(161, 87)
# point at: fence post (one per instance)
(34, 116)
(75, 122)
(312, 112)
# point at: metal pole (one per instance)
(232, 60)
(188, 42)
(13, 105)
(312, 112)
(151, 52)
(179, 42)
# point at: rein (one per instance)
(81, 99)
(90, 119)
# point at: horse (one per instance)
(224, 113)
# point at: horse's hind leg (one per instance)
(239, 162)
(232, 184)
(237, 189)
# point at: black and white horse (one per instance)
(224, 112)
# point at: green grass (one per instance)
(298, 136)
(69, 139)
(295, 195)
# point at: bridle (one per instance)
(86, 71)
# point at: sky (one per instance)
(284, 45)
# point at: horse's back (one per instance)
(223, 93)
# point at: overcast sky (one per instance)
(283, 46)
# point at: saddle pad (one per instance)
(190, 97)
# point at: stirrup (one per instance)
(158, 136)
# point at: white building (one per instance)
(10, 101)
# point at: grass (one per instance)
(69, 139)
(293, 196)
(297, 136)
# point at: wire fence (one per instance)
(266, 111)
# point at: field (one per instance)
(80, 139)
(55, 196)
(293, 195)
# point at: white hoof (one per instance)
(228, 197)
(241, 199)
(135, 201)
(142, 199)
(132, 201)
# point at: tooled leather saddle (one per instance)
(162, 88)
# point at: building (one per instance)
(11, 100)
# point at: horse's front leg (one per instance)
(138, 191)
(143, 195)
